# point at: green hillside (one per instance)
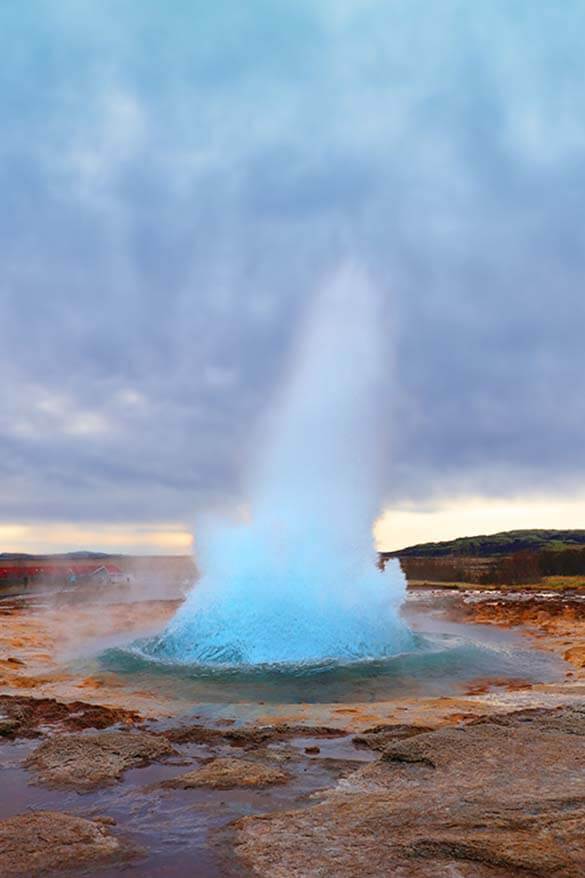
(505, 543)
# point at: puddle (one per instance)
(182, 832)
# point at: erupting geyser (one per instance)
(299, 583)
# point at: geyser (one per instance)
(298, 583)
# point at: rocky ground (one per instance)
(48, 841)
(554, 621)
(98, 777)
(494, 797)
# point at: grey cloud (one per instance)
(175, 185)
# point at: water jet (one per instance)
(298, 583)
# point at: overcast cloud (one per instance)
(178, 178)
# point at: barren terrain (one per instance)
(485, 782)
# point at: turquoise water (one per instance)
(295, 580)
(261, 615)
(434, 664)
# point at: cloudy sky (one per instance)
(178, 179)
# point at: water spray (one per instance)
(298, 583)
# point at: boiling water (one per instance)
(297, 583)
(436, 664)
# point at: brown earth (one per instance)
(248, 737)
(576, 655)
(545, 612)
(227, 773)
(26, 717)
(555, 622)
(32, 844)
(85, 762)
(35, 644)
(461, 787)
(378, 737)
(493, 799)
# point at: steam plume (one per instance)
(299, 582)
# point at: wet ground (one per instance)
(479, 654)
(179, 833)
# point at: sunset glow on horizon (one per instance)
(397, 528)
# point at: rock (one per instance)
(576, 655)
(224, 774)
(28, 716)
(88, 761)
(105, 820)
(496, 799)
(8, 727)
(378, 737)
(567, 720)
(50, 840)
(194, 734)
(250, 737)
(312, 751)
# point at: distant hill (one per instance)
(504, 543)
